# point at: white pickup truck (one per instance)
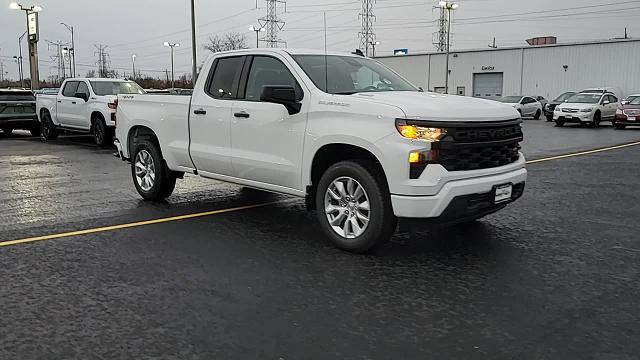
(360, 143)
(85, 105)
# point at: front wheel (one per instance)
(354, 206)
(597, 118)
(101, 135)
(549, 118)
(559, 123)
(151, 177)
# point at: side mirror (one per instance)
(283, 95)
(624, 102)
(82, 96)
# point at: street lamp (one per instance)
(72, 51)
(20, 64)
(257, 31)
(172, 45)
(448, 6)
(373, 46)
(32, 30)
(133, 58)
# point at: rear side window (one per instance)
(70, 89)
(16, 96)
(225, 79)
(613, 99)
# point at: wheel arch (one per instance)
(141, 132)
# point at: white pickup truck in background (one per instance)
(85, 105)
(359, 142)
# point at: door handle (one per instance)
(59, 101)
(73, 102)
(200, 112)
(242, 114)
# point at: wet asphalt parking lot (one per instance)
(553, 276)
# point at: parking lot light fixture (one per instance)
(257, 30)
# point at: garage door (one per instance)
(487, 86)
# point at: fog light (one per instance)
(415, 157)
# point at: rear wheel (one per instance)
(151, 177)
(49, 130)
(354, 206)
(101, 135)
(537, 115)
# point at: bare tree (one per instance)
(230, 41)
(91, 74)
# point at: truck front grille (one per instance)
(480, 146)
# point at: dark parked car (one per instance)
(550, 107)
(628, 114)
(18, 111)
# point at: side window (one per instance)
(70, 89)
(268, 71)
(83, 88)
(613, 99)
(525, 101)
(224, 82)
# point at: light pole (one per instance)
(448, 6)
(373, 46)
(133, 58)
(67, 51)
(32, 30)
(21, 67)
(72, 51)
(172, 45)
(257, 30)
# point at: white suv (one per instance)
(526, 105)
(590, 108)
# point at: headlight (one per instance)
(417, 132)
(587, 110)
(546, 107)
(619, 112)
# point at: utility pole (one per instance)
(133, 59)
(59, 58)
(172, 46)
(272, 23)
(72, 51)
(367, 36)
(440, 36)
(1, 71)
(103, 62)
(448, 6)
(34, 35)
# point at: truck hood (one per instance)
(433, 106)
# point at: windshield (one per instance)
(510, 99)
(633, 100)
(349, 75)
(564, 96)
(103, 88)
(585, 98)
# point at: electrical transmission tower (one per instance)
(103, 61)
(59, 58)
(367, 36)
(272, 24)
(440, 36)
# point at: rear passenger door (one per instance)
(210, 117)
(613, 106)
(65, 104)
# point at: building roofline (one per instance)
(528, 47)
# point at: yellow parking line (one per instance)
(222, 211)
(132, 225)
(581, 153)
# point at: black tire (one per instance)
(101, 135)
(537, 115)
(597, 118)
(559, 123)
(164, 179)
(549, 118)
(520, 112)
(382, 221)
(7, 131)
(49, 130)
(36, 130)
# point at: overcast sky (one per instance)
(141, 26)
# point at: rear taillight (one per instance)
(113, 105)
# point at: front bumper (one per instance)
(572, 117)
(452, 201)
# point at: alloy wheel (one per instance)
(347, 207)
(145, 170)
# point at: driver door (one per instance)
(266, 141)
(78, 113)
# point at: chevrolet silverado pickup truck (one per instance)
(84, 105)
(360, 143)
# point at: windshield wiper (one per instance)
(344, 92)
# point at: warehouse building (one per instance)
(546, 70)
